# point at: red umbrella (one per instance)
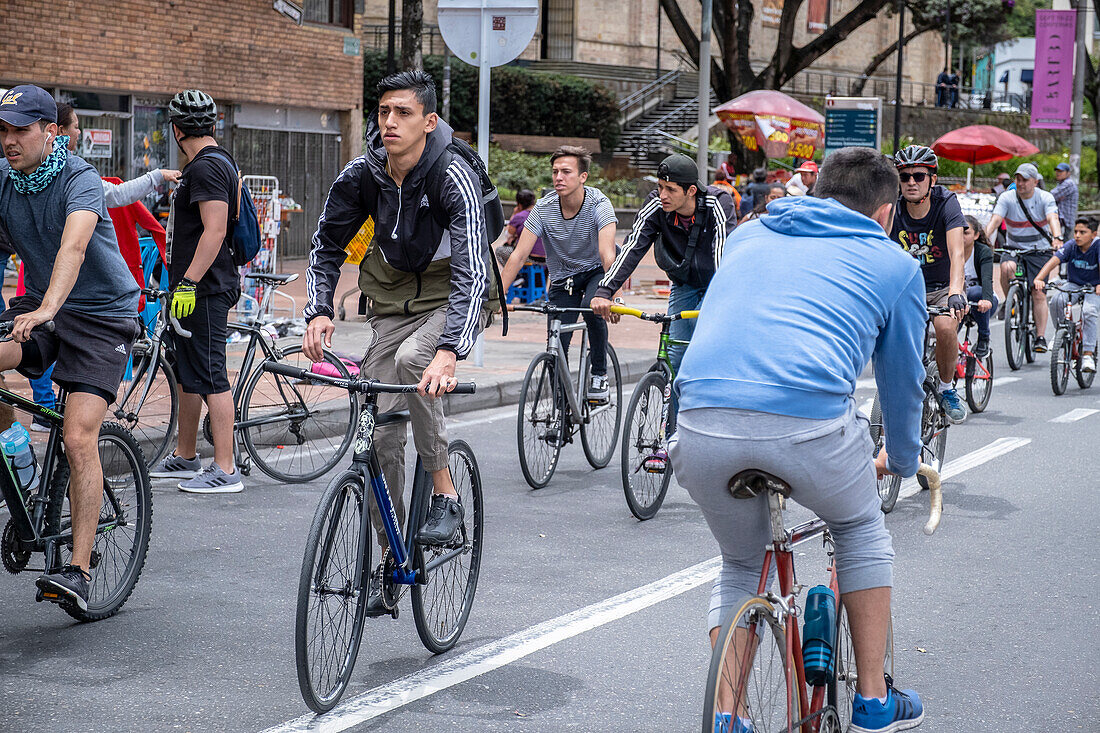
(978, 144)
(779, 125)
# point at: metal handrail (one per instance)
(645, 91)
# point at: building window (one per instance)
(329, 12)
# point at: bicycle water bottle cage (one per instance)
(753, 482)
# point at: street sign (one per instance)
(288, 9)
(511, 23)
(853, 121)
(96, 144)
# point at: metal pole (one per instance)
(897, 87)
(704, 93)
(658, 39)
(1078, 94)
(391, 62)
(446, 82)
(478, 353)
(947, 47)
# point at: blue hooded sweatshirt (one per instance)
(805, 296)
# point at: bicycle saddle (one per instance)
(273, 277)
(752, 482)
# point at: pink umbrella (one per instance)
(774, 122)
(978, 144)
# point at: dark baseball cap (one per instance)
(26, 104)
(1063, 167)
(678, 168)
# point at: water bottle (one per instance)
(16, 442)
(818, 635)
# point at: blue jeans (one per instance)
(974, 294)
(680, 298)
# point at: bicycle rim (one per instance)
(148, 406)
(332, 596)
(540, 426)
(749, 669)
(600, 429)
(441, 606)
(843, 685)
(643, 438)
(1014, 328)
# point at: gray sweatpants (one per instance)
(1089, 311)
(828, 464)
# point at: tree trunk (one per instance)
(690, 41)
(412, 21)
(884, 54)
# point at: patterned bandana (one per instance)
(45, 173)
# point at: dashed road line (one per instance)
(1074, 415)
(997, 448)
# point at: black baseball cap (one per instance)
(678, 168)
(26, 104)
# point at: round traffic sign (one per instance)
(511, 25)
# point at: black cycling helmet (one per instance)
(193, 112)
(916, 155)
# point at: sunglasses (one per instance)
(918, 177)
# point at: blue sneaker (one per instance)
(952, 406)
(902, 711)
(726, 723)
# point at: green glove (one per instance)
(183, 299)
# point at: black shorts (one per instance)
(1032, 262)
(200, 360)
(91, 352)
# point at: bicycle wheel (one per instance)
(332, 597)
(148, 405)
(935, 444)
(600, 426)
(1015, 327)
(979, 382)
(297, 430)
(441, 605)
(1061, 360)
(540, 427)
(1084, 379)
(125, 520)
(890, 485)
(749, 669)
(842, 687)
(643, 437)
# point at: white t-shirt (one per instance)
(1019, 232)
(572, 245)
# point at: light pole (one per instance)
(1078, 93)
(897, 83)
(704, 93)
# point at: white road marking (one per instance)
(1074, 415)
(490, 416)
(504, 651)
(1001, 381)
(865, 408)
(866, 383)
(997, 448)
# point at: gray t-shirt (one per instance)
(104, 286)
(572, 245)
(1018, 231)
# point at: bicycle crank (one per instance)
(12, 550)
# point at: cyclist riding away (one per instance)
(1081, 256)
(928, 224)
(428, 285)
(806, 295)
(52, 203)
(576, 224)
(687, 224)
(1031, 222)
(979, 282)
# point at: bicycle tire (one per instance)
(1061, 361)
(1015, 327)
(979, 387)
(842, 686)
(110, 586)
(1084, 379)
(291, 449)
(935, 449)
(766, 688)
(889, 485)
(600, 433)
(440, 617)
(540, 422)
(150, 416)
(645, 415)
(337, 533)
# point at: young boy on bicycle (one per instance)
(1082, 257)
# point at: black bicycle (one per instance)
(336, 570)
(1020, 331)
(41, 521)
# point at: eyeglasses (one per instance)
(918, 177)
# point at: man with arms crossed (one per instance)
(806, 295)
(52, 203)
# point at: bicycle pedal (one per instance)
(394, 613)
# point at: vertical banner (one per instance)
(817, 16)
(1052, 93)
(771, 12)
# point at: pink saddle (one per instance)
(328, 370)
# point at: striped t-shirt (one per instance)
(1018, 230)
(572, 245)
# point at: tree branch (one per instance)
(785, 43)
(885, 54)
(690, 42)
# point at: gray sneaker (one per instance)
(213, 480)
(172, 466)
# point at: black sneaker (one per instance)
(375, 606)
(67, 585)
(1040, 345)
(981, 348)
(444, 520)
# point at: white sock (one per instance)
(881, 700)
(944, 386)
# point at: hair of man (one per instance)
(863, 179)
(420, 83)
(1087, 223)
(584, 158)
(525, 199)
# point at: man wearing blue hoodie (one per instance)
(805, 297)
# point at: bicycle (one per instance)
(293, 431)
(336, 568)
(645, 476)
(933, 421)
(1066, 349)
(552, 408)
(765, 682)
(975, 372)
(1020, 331)
(40, 519)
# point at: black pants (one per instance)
(577, 292)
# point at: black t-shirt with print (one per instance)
(926, 239)
(206, 178)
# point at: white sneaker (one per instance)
(173, 466)
(213, 480)
(1088, 364)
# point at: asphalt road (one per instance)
(995, 616)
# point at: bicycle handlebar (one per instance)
(655, 317)
(363, 386)
(6, 327)
(935, 497)
(177, 327)
(546, 308)
(1069, 288)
